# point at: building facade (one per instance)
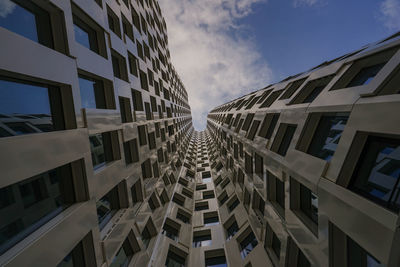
(314, 163)
(100, 164)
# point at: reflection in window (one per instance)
(309, 203)
(85, 35)
(26, 108)
(92, 93)
(248, 244)
(377, 174)
(201, 240)
(232, 230)
(107, 206)
(327, 136)
(26, 19)
(366, 75)
(33, 202)
(97, 150)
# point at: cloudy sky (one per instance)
(223, 49)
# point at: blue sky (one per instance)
(223, 49)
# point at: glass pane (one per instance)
(378, 172)
(327, 136)
(107, 206)
(23, 106)
(248, 244)
(121, 259)
(216, 262)
(33, 202)
(18, 19)
(366, 75)
(82, 36)
(97, 149)
(87, 89)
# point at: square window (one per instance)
(174, 259)
(210, 219)
(202, 239)
(327, 136)
(377, 173)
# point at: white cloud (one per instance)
(6, 7)
(214, 60)
(390, 10)
(298, 3)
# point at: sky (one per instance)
(223, 49)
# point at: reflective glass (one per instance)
(377, 174)
(216, 262)
(18, 19)
(81, 36)
(327, 136)
(366, 75)
(33, 202)
(87, 89)
(97, 150)
(107, 206)
(248, 244)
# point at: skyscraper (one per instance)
(100, 164)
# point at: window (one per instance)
(171, 229)
(248, 243)
(119, 66)
(377, 173)
(201, 206)
(208, 194)
(292, 88)
(276, 193)
(231, 230)
(175, 258)
(113, 22)
(183, 216)
(247, 122)
(107, 206)
(253, 130)
(215, 258)
(125, 109)
(353, 254)
(82, 254)
(201, 187)
(272, 243)
(136, 19)
(271, 99)
(38, 199)
(143, 80)
(295, 257)
(125, 253)
(92, 92)
(210, 218)
(43, 24)
(311, 90)
(137, 100)
(85, 35)
(268, 125)
(127, 28)
(233, 203)
(131, 151)
(365, 75)
(202, 238)
(326, 136)
(259, 165)
(179, 199)
(142, 135)
(22, 100)
(133, 64)
(304, 203)
(104, 148)
(283, 138)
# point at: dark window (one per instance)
(133, 64)
(219, 261)
(201, 206)
(125, 109)
(327, 136)
(142, 135)
(107, 206)
(127, 28)
(183, 217)
(81, 255)
(20, 98)
(104, 148)
(302, 261)
(377, 173)
(119, 66)
(143, 81)
(170, 231)
(248, 244)
(276, 245)
(210, 219)
(174, 260)
(311, 90)
(268, 125)
(233, 205)
(232, 230)
(137, 100)
(366, 75)
(136, 19)
(292, 88)
(85, 35)
(131, 151)
(146, 237)
(40, 198)
(358, 257)
(113, 22)
(287, 138)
